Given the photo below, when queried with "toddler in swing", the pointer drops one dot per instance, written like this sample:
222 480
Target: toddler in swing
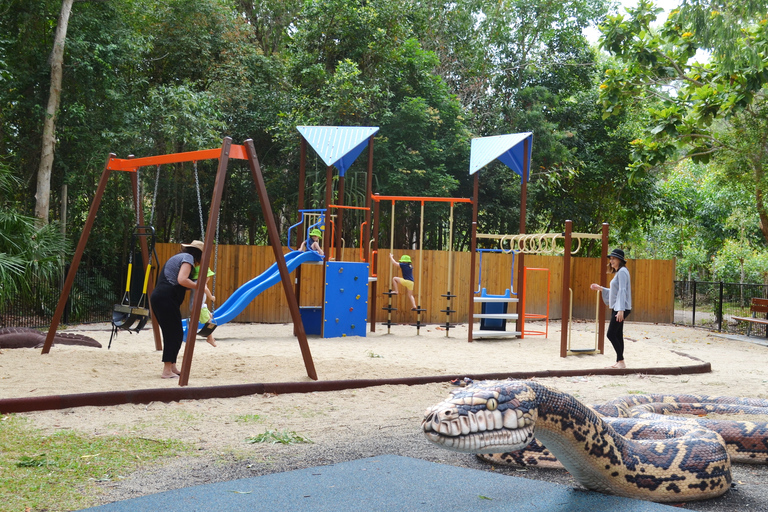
205 313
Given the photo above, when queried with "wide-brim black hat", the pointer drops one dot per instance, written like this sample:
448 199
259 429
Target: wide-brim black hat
617 253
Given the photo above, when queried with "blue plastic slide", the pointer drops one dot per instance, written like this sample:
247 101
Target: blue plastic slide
239 300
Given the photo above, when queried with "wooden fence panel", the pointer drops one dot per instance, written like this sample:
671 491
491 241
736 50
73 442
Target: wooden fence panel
652 284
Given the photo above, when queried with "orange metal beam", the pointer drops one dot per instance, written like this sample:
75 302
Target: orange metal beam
131 164
377 197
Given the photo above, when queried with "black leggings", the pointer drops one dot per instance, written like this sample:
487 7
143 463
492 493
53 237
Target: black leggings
166 311
616 334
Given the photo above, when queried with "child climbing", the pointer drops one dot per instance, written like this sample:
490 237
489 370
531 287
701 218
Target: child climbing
407 280
314 244
205 314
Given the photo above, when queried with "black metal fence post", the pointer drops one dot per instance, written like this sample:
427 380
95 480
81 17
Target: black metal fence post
68 307
693 305
720 309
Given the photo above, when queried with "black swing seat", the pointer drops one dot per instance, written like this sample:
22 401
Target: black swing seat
125 316
207 329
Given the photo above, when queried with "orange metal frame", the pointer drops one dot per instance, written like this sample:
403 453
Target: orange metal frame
132 164
333 229
525 315
377 197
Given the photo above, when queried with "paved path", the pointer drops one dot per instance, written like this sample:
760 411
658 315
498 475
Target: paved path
383 483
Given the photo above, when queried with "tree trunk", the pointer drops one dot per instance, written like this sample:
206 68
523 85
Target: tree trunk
760 202
42 196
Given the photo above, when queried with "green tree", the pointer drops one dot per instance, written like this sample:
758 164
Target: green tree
29 253
711 110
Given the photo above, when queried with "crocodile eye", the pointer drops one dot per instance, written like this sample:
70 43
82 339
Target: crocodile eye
491 404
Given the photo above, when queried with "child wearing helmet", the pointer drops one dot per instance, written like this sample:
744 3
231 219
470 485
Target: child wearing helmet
314 245
406 267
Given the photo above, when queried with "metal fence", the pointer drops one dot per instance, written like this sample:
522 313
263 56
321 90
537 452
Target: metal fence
712 305
90 301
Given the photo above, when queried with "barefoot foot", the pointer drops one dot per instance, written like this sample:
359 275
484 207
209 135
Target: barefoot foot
169 376
211 342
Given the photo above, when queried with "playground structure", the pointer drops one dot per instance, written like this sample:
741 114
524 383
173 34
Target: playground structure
514 150
247 152
338 147
348 285
448 295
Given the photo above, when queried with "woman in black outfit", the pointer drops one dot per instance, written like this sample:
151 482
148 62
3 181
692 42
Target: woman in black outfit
166 300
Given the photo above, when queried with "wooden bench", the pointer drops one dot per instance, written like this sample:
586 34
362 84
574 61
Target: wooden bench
755 307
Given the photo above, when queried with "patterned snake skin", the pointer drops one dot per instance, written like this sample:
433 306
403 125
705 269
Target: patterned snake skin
626 447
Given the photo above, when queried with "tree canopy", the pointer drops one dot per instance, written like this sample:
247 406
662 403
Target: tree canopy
144 77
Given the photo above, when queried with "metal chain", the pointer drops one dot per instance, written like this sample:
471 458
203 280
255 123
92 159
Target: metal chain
154 197
215 258
138 197
137 202
199 202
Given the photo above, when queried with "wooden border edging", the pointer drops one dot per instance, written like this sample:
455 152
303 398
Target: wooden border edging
145 396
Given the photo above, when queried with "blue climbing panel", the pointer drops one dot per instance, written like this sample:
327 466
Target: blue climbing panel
346 299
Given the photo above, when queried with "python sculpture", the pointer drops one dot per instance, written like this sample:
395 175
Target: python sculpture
627 447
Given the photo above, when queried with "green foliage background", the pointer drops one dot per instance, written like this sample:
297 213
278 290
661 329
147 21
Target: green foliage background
145 77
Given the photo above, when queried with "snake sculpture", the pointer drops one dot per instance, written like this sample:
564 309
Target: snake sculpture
627 447
24 337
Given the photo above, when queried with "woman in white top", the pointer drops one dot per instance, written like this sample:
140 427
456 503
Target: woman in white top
619 298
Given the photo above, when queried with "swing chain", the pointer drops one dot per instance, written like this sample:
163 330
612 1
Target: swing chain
137 211
154 197
199 202
215 260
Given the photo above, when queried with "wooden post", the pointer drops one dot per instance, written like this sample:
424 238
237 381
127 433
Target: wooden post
473 257
566 305
145 255
603 282
367 232
523 215
302 230
210 238
327 223
277 247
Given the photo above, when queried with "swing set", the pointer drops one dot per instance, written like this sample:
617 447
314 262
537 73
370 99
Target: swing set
127 312
247 151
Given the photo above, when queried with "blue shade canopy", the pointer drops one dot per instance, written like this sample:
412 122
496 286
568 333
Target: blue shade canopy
506 148
338 145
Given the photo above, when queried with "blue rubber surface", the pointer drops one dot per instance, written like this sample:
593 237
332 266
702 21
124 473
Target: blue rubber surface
384 483
244 295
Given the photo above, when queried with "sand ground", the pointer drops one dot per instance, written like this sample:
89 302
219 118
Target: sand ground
388 417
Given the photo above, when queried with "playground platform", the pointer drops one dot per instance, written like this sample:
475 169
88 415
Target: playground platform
383 483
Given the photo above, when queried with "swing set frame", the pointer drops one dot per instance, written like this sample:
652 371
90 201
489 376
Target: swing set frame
247 151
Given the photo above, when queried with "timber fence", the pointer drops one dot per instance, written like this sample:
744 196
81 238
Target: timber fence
653 287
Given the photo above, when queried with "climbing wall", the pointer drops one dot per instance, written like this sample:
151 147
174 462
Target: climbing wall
346 299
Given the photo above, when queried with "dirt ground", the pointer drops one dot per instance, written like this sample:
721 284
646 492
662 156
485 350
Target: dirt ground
346 425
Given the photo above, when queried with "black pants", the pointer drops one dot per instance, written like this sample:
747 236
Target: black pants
165 309
616 334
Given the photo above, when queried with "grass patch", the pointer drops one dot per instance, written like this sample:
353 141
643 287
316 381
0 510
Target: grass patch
61 471
282 437
248 418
